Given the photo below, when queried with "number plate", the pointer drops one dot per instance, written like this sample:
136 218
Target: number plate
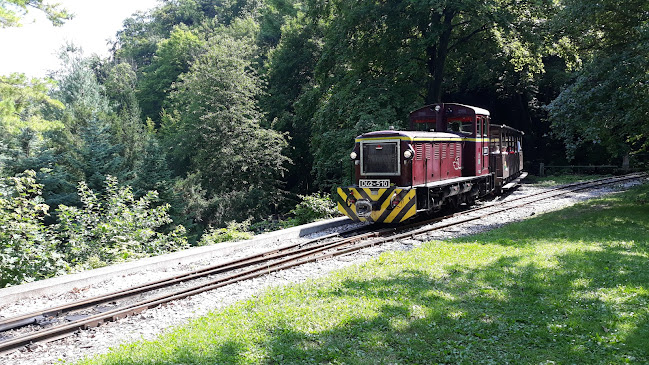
374 183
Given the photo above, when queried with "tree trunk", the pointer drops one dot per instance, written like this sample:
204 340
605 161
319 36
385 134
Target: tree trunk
436 59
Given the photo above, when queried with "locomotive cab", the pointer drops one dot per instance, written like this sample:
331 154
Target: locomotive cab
381 191
469 122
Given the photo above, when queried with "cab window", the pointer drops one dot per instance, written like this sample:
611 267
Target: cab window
462 127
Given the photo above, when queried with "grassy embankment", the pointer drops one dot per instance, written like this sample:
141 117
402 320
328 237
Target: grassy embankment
569 287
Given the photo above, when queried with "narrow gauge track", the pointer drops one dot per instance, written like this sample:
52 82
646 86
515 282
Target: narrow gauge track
258 265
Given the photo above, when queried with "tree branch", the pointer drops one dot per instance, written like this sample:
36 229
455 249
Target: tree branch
468 36
461 23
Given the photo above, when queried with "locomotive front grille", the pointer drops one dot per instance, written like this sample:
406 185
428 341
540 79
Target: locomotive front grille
380 158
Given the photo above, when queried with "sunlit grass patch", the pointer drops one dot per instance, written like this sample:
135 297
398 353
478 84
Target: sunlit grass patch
566 287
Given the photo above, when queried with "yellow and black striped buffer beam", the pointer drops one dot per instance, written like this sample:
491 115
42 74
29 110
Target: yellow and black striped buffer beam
381 201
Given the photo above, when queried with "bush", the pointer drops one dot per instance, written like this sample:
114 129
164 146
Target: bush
272 223
115 227
233 232
107 229
28 250
313 207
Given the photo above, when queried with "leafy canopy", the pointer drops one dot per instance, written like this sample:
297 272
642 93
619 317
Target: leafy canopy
605 104
11 12
215 135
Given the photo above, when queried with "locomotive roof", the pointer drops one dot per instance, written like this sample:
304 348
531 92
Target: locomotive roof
410 136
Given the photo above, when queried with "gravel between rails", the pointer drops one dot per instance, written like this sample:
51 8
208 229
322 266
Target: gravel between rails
153 322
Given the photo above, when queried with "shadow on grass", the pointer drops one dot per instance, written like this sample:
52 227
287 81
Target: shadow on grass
505 312
590 308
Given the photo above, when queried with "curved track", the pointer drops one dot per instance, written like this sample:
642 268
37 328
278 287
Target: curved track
62 321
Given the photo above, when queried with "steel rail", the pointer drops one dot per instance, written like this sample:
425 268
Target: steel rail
577 187
563 187
292 255
296 258
33 317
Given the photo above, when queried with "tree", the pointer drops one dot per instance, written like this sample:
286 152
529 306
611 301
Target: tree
126 117
214 134
78 89
26 123
412 41
88 148
99 155
172 58
22 102
138 40
11 11
605 103
290 77
380 60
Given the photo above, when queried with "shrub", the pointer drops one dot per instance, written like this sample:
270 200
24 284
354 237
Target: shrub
233 232
313 207
268 225
28 250
107 229
115 227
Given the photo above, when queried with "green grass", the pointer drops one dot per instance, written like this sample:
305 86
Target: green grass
569 287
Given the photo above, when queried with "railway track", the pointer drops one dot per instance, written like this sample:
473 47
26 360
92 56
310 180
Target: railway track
62 321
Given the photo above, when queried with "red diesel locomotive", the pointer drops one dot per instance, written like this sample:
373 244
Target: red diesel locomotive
450 155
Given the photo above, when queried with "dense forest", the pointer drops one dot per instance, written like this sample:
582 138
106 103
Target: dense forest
217 111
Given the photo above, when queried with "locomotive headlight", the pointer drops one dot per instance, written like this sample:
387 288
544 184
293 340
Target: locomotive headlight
407 154
353 155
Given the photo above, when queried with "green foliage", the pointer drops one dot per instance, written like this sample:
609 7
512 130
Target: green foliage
110 228
28 250
214 134
290 97
96 141
605 102
22 101
115 227
373 62
98 156
233 232
172 58
11 11
34 138
121 81
272 16
269 224
249 98
312 208
79 90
